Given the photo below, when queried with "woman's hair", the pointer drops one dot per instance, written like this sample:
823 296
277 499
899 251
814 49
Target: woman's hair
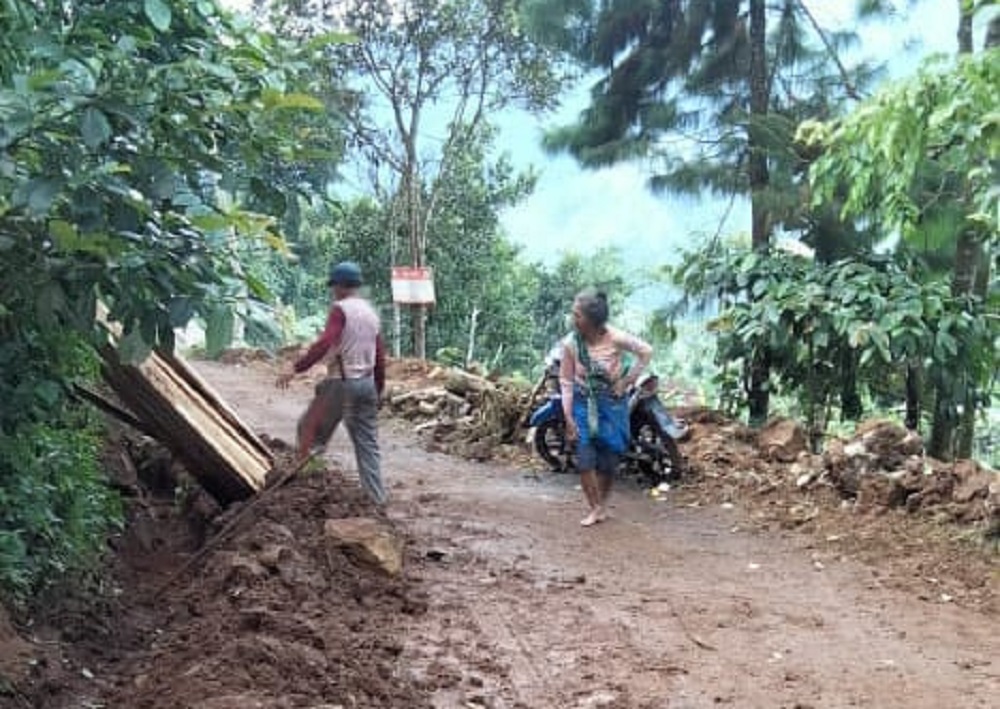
594 306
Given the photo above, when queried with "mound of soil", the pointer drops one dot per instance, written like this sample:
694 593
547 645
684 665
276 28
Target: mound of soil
277 616
929 526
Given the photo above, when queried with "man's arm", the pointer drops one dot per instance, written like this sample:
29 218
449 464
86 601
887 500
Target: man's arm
335 322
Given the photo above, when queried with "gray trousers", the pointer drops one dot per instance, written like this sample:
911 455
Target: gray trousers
354 401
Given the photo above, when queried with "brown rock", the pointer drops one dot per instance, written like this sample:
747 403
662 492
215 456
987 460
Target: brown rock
914 465
782 440
368 541
273 556
935 490
889 443
973 482
878 490
870 425
912 444
992 512
834 456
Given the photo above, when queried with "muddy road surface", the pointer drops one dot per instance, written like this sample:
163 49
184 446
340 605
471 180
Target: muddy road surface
661 606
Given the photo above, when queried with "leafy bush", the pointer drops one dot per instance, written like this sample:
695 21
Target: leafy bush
55 505
836 334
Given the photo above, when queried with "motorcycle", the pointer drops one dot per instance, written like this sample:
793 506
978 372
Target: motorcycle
652 453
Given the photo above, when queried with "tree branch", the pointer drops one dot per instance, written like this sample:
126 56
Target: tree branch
849 87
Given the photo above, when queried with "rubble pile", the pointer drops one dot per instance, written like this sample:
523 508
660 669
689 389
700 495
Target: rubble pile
461 413
883 466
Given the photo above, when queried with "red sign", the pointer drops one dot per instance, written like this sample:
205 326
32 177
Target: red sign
412 285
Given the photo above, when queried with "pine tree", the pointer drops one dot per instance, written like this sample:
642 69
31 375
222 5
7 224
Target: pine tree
711 91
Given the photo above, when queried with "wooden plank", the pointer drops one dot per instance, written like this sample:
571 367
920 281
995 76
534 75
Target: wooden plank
196 381
237 432
180 409
177 433
224 439
215 450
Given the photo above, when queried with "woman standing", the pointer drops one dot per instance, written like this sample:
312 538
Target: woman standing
594 379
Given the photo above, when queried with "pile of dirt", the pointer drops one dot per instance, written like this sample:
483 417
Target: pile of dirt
464 414
278 615
409 373
932 526
881 467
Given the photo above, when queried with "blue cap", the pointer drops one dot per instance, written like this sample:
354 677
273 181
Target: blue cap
345 273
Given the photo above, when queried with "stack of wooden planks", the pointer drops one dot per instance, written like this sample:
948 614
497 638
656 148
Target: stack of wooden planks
181 410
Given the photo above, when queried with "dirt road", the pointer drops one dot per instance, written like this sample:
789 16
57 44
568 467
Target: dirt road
527 609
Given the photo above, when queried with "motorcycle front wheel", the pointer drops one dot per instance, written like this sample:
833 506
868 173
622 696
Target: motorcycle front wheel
551 445
657 457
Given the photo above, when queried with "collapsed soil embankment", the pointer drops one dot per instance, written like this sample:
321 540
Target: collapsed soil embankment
278 615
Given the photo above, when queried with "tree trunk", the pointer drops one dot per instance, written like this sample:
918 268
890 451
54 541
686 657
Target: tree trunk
942 429
969 271
912 397
993 33
965 435
419 329
850 401
964 28
758 394
949 435
415 225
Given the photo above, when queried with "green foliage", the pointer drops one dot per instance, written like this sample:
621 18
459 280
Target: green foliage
55 505
118 121
441 68
114 126
919 160
944 120
475 268
674 88
557 287
835 330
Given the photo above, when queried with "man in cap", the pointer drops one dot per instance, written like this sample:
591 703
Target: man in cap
352 344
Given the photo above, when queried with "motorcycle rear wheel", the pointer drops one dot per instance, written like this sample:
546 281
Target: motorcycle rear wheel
551 445
657 458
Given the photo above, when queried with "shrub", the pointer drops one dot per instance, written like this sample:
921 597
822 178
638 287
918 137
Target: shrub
55 505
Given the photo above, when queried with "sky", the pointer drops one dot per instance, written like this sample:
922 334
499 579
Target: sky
573 209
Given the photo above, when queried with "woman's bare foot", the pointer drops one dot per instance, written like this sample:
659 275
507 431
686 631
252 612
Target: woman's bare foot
603 514
593 518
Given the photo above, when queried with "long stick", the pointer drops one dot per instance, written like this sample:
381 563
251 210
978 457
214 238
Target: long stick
214 542
126 417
